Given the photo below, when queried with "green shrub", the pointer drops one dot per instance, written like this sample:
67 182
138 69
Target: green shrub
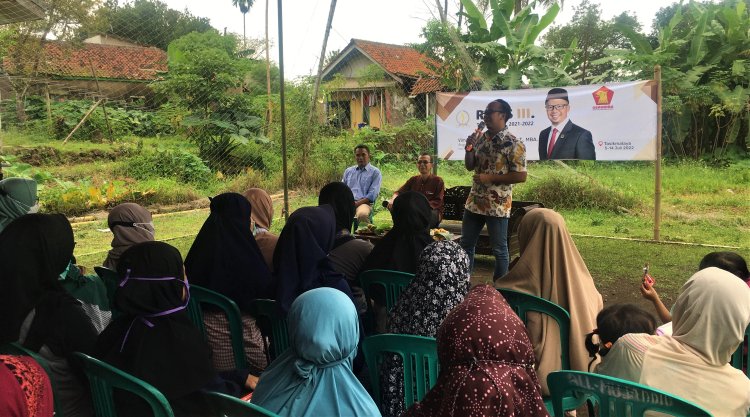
561 191
177 164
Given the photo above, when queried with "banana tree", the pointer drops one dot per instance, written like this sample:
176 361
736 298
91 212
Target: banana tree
506 48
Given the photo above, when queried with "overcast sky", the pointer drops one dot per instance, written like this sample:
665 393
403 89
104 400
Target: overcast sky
389 21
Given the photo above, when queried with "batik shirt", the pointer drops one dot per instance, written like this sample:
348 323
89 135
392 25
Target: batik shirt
501 154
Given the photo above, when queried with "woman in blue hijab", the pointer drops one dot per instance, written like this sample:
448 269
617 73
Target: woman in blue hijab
314 377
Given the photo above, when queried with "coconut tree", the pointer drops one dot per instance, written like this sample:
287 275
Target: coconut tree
244 6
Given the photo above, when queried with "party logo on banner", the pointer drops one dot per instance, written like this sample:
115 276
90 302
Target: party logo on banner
603 98
462 118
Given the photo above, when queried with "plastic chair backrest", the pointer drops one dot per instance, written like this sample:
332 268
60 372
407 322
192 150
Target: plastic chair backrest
618 397
103 377
419 355
200 295
523 303
230 406
267 312
394 283
740 356
18 349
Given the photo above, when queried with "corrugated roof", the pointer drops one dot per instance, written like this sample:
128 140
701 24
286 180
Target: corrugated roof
109 61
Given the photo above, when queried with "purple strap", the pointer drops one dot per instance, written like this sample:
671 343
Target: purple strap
143 318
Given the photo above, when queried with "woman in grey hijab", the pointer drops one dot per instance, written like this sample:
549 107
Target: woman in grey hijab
17 197
130 224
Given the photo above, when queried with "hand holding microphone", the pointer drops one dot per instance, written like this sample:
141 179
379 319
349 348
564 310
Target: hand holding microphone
474 137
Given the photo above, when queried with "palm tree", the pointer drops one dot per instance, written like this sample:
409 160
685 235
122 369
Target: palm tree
244 6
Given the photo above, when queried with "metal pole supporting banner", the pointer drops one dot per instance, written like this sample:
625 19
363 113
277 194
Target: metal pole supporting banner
283 111
657 165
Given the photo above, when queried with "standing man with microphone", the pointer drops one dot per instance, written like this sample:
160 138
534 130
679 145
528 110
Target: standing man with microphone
498 160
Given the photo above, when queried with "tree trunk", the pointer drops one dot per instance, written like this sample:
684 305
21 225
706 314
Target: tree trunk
269 114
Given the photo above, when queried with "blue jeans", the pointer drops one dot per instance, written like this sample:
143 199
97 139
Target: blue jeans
497 228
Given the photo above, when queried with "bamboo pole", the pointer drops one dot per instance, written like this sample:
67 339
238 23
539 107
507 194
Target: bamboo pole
104 107
283 110
83 119
657 165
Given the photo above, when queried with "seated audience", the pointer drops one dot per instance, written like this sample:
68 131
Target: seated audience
400 248
260 222
728 261
428 184
348 254
130 224
612 323
301 260
314 377
154 339
26 389
486 363
709 320
551 267
364 181
225 258
37 311
441 282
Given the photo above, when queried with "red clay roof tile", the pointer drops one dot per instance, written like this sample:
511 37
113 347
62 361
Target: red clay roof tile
109 61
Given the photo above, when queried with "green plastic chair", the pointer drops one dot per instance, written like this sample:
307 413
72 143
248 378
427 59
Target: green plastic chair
199 296
523 303
104 377
272 323
18 350
419 355
617 397
740 358
394 282
229 406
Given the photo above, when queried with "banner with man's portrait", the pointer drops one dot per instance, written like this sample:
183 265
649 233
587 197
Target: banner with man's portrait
605 122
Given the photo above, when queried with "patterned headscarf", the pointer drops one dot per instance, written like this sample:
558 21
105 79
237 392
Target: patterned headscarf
486 363
441 282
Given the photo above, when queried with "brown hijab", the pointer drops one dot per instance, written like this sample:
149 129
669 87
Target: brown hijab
486 363
551 267
262 215
130 224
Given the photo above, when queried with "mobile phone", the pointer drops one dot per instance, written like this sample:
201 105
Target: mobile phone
646 276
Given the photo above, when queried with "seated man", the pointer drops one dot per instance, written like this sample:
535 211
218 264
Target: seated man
364 181
428 184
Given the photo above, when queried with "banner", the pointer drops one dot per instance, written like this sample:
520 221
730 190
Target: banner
607 122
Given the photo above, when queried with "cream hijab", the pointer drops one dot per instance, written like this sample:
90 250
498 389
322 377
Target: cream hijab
709 320
551 267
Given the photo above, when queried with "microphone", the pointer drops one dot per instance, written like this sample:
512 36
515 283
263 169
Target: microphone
477 133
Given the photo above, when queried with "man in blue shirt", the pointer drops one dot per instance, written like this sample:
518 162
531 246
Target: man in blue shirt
364 181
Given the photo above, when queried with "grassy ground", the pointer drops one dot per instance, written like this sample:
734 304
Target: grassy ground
700 206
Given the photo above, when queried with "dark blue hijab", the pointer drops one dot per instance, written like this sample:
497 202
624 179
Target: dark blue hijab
301 257
225 257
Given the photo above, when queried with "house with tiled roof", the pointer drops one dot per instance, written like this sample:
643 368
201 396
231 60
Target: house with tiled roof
101 66
372 83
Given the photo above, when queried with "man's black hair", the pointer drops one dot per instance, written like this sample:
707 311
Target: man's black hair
557 93
728 261
505 108
362 146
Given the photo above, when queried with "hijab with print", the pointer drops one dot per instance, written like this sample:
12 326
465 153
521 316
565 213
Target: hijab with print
17 197
551 267
300 261
401 246
262 214
709 319
486 363
130 224
314 377
441 282
224 256
34 250
167 351
339 196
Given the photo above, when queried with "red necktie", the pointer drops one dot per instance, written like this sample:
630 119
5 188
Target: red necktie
551 143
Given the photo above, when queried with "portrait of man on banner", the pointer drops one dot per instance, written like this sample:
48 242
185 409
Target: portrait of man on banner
563 139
